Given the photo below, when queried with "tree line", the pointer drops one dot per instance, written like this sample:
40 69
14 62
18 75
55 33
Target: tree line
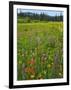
28 17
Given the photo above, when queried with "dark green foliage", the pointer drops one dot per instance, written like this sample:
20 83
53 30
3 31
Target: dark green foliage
38 17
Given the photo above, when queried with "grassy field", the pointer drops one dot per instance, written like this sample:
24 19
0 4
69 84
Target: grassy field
39 50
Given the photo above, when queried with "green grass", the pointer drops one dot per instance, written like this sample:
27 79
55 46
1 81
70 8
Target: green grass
39 50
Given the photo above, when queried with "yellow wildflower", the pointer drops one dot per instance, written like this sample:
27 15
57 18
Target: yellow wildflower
44 72
32 76
60 74
49 65
20 62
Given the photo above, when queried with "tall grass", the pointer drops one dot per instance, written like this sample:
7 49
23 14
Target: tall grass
39 50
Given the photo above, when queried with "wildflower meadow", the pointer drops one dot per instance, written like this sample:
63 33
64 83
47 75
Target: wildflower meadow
39 48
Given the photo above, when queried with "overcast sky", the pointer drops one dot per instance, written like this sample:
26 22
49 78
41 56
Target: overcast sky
49 12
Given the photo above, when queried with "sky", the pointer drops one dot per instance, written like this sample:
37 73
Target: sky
49 12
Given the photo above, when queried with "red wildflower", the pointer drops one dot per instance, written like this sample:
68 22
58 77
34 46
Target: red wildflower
30 70
32 61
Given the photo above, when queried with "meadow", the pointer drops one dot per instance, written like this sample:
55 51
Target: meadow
39 50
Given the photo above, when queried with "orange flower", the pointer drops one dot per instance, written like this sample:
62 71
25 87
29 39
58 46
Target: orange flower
32 61
30 70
